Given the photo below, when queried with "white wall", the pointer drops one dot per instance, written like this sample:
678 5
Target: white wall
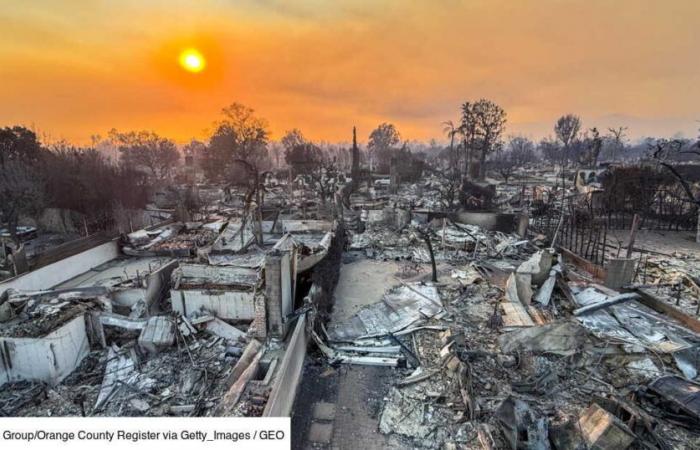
49 359
284 389
61 271
227 305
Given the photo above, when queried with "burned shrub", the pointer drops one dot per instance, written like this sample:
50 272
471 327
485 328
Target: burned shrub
475 196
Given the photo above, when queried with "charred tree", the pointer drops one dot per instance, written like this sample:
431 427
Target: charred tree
425 234
355 171
664 152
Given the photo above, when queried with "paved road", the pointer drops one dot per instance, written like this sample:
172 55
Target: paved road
339 408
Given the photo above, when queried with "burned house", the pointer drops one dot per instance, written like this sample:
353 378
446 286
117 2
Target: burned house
58 320
126 307
46 336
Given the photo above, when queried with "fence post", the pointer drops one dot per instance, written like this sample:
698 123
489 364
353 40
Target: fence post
633 235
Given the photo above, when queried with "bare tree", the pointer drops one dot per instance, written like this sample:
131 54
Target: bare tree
618 137
505 164
522 150
467 129
593 144
448 188
193 152
194 148
566 130
549 149
324 176
664 151
308 159
255 190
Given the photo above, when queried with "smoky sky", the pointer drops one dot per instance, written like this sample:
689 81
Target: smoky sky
325 66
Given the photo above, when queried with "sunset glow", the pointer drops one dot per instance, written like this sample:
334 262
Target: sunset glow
192 61
325 67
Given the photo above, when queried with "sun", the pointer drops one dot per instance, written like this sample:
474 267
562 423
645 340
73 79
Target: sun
192 60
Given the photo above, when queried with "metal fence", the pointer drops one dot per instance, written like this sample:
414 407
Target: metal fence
658 210
576 225
587 218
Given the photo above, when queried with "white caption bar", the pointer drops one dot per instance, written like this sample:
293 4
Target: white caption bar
191 433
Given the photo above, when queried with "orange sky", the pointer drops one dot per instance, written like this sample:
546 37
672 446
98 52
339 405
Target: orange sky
72 69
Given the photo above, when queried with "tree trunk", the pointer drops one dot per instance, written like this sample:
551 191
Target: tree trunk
467 161
482 165
563 164
432 257
258 200
12 228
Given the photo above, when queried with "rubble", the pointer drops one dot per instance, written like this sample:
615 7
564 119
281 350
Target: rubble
560 338
521 427
490 335
157 334
190 295
515 346
177 239
401 308
682 395
602 430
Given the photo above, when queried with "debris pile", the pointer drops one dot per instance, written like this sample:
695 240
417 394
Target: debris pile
177 239
178 322
516 347
137 378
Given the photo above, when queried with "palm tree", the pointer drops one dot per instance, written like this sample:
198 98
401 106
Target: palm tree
451 131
